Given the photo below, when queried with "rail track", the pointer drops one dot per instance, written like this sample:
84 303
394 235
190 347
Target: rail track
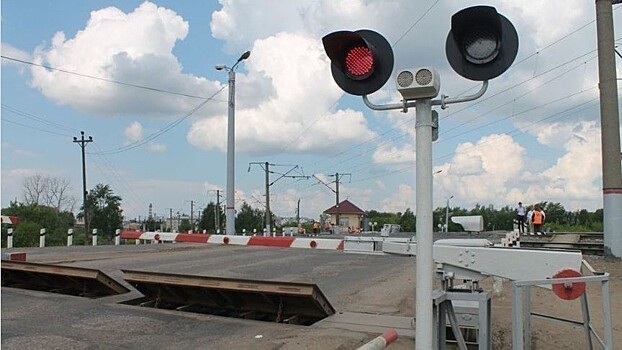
589 243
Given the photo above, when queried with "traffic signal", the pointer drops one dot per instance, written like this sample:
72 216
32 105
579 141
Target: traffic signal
361 61
482 44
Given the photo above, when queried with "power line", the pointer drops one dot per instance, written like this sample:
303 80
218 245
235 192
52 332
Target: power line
415 23
37 119
480 101
470 106
514 131
162 131
33 127
103 79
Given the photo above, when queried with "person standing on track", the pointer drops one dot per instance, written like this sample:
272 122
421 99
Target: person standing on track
520 217
537 217
529 221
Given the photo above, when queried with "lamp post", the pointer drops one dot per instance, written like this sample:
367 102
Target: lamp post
447 215
231 144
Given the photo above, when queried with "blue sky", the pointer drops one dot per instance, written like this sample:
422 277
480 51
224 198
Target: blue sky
533 137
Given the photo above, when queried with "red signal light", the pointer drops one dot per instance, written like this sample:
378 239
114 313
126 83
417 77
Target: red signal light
359 62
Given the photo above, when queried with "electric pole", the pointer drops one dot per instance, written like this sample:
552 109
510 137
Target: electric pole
83 142
170 219
266 167
336 191
216 211
191 213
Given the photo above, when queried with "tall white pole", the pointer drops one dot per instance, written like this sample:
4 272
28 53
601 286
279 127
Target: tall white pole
231 156
424 314
610 130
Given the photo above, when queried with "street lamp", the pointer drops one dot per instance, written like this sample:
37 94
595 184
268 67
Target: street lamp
231 144
447 215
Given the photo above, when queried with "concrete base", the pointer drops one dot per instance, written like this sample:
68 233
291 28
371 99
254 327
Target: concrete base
369 323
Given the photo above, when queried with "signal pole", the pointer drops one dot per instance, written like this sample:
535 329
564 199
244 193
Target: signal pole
481 45
82 142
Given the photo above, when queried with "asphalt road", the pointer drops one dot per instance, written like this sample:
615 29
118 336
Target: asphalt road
351 282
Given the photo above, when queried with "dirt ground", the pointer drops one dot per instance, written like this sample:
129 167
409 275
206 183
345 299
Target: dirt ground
546 334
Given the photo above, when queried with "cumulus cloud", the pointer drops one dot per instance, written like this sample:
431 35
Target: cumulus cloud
482 171
105 49
298 116
576 176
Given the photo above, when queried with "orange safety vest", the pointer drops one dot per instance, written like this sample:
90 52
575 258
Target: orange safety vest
537 217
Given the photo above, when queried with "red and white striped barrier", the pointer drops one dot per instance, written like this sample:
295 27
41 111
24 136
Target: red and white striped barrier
381 342
284 242
11 220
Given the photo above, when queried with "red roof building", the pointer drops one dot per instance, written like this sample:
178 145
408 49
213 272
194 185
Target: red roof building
350 216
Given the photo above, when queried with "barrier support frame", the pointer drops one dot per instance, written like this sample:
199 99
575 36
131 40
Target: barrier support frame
521 325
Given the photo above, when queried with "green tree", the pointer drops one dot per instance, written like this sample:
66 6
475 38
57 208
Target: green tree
208 216
33 218
184 225
249 219
407 221
382 218
105 213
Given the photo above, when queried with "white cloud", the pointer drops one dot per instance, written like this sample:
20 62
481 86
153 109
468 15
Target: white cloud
135 48
576 176
297 116
389 154
133 132
10 51
483 172
400 200
156 147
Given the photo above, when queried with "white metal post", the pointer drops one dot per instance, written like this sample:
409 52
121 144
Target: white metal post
42 238
9 238
231 156
94 237
425 263
69 237
117 237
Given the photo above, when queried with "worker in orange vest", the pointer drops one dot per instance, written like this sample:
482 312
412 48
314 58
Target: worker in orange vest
537 217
